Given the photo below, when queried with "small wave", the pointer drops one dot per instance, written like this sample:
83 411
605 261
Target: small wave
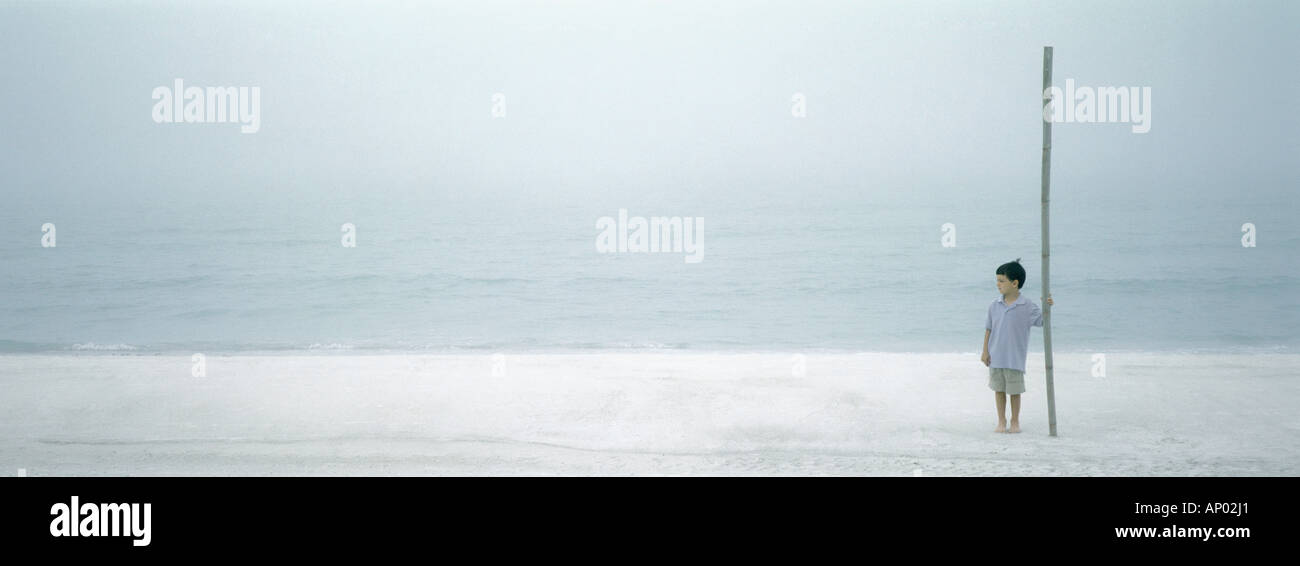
201 313
636 346
93 347
331 346
492 280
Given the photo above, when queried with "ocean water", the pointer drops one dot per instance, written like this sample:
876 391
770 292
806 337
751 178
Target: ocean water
434 273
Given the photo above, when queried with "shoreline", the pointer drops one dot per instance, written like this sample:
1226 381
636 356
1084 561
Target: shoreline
355 351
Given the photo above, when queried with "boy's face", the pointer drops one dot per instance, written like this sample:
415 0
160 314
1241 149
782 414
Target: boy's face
1005 285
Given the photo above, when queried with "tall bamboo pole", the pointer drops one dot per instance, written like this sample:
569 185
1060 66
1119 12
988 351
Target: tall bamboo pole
1047 309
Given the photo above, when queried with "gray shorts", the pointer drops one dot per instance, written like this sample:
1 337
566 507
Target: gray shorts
1010 381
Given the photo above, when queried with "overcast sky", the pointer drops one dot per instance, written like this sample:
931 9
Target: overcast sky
624 97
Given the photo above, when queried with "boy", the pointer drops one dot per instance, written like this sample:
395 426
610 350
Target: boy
1007 329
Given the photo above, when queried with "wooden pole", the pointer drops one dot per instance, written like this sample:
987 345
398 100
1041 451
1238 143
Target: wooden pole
1047 309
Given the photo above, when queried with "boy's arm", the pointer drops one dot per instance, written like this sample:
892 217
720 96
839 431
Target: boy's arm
984 357
988 329
1038 312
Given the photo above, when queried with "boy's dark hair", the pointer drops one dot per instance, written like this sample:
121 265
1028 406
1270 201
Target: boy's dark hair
1014 272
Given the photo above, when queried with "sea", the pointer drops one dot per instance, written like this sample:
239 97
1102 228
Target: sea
779 271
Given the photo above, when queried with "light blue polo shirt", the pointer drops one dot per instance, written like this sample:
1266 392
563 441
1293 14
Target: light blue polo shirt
1009 336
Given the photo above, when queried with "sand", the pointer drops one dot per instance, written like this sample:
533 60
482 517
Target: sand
642 413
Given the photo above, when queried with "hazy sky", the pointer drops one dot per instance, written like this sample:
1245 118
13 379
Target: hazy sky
617 100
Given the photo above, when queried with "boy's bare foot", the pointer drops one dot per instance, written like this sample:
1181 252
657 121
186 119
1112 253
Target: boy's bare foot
1015 427
1002 427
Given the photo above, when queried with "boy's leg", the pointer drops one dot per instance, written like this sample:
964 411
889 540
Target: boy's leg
1000 397
1015 413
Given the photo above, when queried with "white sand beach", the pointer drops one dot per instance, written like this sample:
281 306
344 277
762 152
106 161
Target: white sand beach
647 413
